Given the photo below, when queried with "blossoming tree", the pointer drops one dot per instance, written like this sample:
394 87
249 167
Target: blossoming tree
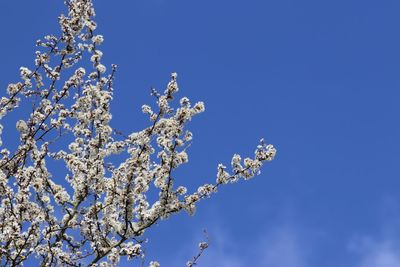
101 210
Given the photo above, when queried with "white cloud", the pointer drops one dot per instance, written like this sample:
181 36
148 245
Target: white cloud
383 248
221 260
290 245
377 253
282 248
279 247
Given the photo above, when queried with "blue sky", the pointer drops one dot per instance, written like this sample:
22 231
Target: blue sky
318 79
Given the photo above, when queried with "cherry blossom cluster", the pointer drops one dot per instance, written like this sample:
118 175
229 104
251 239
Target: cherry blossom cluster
98 210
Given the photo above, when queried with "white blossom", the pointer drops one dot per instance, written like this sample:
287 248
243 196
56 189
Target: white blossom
98 207
198 107
97 39
21 126
101 68
154 264
147 109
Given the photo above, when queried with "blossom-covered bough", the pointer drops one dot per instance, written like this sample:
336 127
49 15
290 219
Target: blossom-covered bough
100 210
